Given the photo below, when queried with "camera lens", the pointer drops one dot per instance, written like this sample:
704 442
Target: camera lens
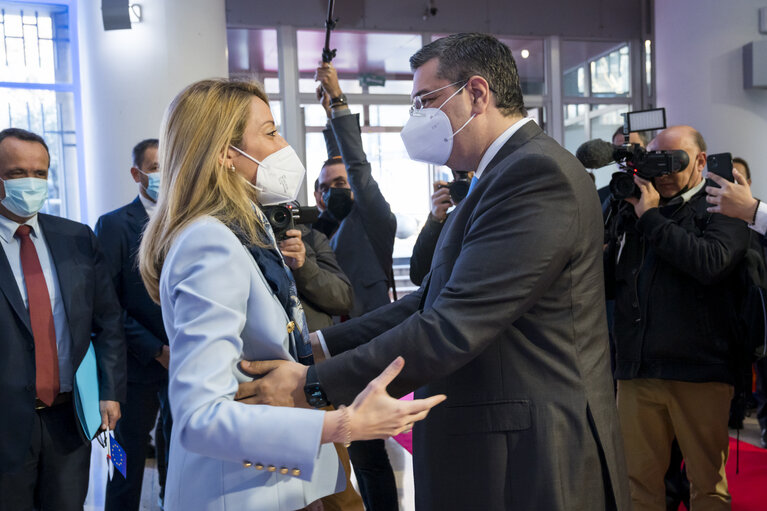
622 186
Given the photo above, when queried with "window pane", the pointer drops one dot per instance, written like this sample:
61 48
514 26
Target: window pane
575 82
310 86
314 115
575 126
606 119
389 115
648 66
34 43
393 87
610 73
51 115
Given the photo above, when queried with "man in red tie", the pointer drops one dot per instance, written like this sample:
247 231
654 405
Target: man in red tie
56 297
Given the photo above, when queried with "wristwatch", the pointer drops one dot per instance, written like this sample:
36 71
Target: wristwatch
315 396
338 101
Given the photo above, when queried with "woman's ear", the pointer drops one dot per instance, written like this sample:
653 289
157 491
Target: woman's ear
227 156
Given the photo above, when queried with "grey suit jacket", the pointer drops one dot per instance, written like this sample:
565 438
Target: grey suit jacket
510 324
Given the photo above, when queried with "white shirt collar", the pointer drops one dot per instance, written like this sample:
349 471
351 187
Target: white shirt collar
681 199
497 144
149 205
8 227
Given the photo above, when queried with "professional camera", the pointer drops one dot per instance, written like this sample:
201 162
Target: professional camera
284 217
632 158
459 187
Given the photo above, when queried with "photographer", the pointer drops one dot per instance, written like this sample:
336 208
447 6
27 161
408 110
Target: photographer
423 250
667 269
361 228
323 288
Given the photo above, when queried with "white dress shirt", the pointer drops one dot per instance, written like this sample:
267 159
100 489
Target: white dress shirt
149 205
497 144
12 248
760 221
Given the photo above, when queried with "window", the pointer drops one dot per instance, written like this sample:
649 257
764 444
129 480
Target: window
597 89
37 92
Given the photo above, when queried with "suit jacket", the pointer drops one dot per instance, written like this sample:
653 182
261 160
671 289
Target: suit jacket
364 241
218 309
510 325
324 289
119 233
93 313
423 250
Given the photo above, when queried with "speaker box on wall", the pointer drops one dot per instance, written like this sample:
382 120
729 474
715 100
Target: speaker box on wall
115 14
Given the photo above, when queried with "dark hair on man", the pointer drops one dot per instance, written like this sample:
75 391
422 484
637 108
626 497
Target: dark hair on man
462 56
740 160
644 136
140 149
26 136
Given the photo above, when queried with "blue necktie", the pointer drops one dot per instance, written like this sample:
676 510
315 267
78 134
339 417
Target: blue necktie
473 183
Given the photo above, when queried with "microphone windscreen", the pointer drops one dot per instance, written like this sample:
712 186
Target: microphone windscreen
595 153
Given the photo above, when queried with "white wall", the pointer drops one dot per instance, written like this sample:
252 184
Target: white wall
699 70
129 77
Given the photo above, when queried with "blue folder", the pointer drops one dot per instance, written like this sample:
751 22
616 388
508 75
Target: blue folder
87 394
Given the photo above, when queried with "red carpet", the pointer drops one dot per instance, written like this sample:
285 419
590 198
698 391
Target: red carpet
748 488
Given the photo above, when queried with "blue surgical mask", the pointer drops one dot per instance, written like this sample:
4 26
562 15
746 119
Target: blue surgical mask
153 186
25 196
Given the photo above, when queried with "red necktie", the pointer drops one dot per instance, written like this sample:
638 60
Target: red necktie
41 318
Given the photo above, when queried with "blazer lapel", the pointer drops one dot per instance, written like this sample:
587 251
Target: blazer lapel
11 291
61 253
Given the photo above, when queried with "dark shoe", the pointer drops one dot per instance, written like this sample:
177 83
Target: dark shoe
763 439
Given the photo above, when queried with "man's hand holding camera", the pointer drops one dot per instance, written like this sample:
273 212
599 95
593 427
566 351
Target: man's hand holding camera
293 249
440 201
648 199
329 87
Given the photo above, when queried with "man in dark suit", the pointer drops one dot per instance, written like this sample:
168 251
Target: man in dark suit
510 322
55 299
148 354
361 227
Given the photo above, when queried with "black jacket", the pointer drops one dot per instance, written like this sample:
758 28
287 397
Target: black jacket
423 250
675 291
323 287
364 240
93 316
119 233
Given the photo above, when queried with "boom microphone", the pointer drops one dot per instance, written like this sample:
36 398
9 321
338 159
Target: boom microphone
595 153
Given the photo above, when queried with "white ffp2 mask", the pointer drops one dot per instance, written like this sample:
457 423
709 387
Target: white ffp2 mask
279 176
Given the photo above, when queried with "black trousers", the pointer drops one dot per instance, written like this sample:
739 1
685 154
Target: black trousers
374 474
54 475
132 432
761 391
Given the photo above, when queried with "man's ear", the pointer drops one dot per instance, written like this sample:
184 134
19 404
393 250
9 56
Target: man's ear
479 94
701 161
134 172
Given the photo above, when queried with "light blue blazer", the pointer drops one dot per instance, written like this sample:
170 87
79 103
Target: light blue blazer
225 455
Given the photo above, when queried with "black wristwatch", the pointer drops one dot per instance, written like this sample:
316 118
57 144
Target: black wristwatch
315 396
338 101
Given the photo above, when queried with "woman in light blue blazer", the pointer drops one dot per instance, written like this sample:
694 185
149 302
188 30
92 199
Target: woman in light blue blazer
209 258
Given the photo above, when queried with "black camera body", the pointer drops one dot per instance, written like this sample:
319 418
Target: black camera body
635 160
458 187
284 217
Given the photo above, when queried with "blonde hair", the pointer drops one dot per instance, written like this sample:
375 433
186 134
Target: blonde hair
198 127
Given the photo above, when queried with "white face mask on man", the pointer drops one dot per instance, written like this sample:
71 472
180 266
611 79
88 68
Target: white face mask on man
428 134
279 176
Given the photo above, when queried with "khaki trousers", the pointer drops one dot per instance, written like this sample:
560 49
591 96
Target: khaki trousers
652 412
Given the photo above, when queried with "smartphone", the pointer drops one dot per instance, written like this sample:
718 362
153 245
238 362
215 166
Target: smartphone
721 165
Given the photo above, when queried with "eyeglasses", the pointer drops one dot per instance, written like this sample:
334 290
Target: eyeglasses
417 106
